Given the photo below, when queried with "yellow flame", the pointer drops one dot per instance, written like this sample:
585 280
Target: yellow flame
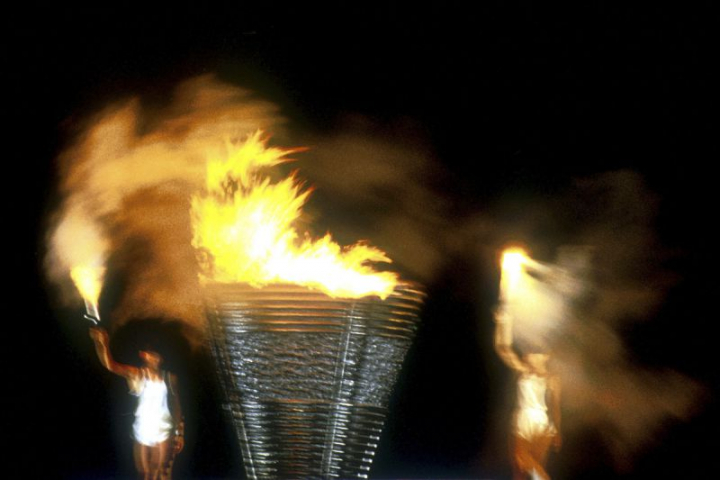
513 261
243 225
80 247
88 280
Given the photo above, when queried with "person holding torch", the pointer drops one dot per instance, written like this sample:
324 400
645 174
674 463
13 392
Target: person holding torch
536 420
158 427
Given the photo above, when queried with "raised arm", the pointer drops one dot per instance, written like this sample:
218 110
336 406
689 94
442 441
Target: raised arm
503 342
101 340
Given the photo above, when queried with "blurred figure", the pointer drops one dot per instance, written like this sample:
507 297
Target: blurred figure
158 427
535 425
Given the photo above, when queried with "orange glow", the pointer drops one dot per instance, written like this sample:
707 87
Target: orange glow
513 261
80 248
243 228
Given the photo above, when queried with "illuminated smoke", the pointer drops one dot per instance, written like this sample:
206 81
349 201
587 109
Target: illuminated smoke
616 280
127 180
133 169
81 251
379 177
126 184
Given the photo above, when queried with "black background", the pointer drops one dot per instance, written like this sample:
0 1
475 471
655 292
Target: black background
540 94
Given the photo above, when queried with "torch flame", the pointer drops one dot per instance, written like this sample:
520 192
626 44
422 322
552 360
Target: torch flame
513 261
243 226
81 248
88 280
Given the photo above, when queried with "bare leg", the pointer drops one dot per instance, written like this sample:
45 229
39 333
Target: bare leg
540 448
155 462
529 456
142 460
156 458
152 461
522 458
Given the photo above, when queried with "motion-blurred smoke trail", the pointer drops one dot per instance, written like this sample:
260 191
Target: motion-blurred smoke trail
126 184
383 177
615 280
132 170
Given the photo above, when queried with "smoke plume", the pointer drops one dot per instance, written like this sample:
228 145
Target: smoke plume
614 279
382 180
128 178
126 184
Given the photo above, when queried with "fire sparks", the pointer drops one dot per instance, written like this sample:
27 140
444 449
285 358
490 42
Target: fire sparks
244 230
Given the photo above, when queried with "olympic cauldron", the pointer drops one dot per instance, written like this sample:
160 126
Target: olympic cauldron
308 377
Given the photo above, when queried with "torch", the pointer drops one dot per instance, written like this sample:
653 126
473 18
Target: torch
308 338
81 249
528 297
88 281
536 297
512 266
516 265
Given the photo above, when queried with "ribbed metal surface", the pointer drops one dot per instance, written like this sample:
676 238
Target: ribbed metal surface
307 376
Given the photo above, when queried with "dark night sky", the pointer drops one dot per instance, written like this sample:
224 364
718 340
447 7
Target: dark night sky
516 100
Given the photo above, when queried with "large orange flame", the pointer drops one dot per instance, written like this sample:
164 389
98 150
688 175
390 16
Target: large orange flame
244 227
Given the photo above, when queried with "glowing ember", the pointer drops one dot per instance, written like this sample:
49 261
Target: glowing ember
244 226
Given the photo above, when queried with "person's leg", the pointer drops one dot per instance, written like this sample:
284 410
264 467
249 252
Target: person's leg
521 457
537 454
541 447
158 459
142 460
